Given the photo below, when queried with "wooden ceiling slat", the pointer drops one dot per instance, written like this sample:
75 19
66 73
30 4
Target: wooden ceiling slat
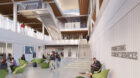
48 0
55 9
83 7
3 1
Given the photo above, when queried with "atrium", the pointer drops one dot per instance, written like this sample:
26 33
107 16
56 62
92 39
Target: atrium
69 38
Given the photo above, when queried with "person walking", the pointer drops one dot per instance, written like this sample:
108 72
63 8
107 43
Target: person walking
52 60
58 59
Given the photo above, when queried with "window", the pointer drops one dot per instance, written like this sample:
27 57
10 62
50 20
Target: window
2 47
9 48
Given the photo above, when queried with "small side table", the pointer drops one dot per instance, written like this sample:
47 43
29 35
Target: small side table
86 75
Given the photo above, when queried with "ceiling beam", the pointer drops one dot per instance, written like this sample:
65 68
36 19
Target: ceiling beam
50 2
6 3
32 23
71 16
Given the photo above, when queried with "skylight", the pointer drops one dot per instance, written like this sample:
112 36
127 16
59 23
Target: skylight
69 7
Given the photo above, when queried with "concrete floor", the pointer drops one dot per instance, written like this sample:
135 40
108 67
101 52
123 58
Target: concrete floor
60 72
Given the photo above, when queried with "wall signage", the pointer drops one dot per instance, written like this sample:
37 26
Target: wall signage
120 51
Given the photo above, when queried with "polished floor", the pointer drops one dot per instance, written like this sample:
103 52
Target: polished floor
61 72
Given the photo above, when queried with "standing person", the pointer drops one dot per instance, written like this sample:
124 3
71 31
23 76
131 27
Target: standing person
23 57
22 28
58 59
62 55
52 60
43 56
87 38
34 54
9 57
13 64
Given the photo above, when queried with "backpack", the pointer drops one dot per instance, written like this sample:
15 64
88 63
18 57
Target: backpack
34 64
59 59
52 57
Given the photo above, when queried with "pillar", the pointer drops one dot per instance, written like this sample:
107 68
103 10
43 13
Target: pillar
15 16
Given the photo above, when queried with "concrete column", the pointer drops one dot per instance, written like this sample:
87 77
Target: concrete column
92 22
97 7
43 31
6 50
91 26
15 16
91 7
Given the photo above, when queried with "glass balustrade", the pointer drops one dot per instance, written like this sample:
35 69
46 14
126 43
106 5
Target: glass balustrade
8 24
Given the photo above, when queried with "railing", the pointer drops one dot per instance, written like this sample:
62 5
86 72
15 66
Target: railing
64 42
7 24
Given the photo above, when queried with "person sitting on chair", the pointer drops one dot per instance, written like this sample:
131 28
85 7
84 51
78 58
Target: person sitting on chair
23 57
95 66
3 64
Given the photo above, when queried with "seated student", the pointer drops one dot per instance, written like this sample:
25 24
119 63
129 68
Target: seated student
23 57
3 64
13 64
95 66
43 56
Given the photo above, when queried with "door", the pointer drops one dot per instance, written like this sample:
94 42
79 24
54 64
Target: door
40 51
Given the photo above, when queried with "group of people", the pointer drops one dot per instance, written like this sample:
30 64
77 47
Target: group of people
9 63
54 58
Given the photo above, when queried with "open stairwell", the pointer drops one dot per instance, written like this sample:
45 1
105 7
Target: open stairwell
83 60
79 64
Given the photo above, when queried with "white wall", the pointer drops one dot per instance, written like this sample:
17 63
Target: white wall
74 50
19 42
119 24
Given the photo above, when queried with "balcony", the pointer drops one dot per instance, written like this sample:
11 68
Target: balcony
75 26
32 9
31 5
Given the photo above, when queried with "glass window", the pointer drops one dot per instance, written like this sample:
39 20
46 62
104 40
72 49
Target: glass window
9 48
2 47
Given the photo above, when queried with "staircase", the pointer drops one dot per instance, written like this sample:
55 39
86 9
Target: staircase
79 64
84 50
83 56
42 11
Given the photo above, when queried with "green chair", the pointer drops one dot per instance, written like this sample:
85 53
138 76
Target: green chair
80 77
45 65
99 69
38 61
102 74
22 62
20 69
14 68
3 73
